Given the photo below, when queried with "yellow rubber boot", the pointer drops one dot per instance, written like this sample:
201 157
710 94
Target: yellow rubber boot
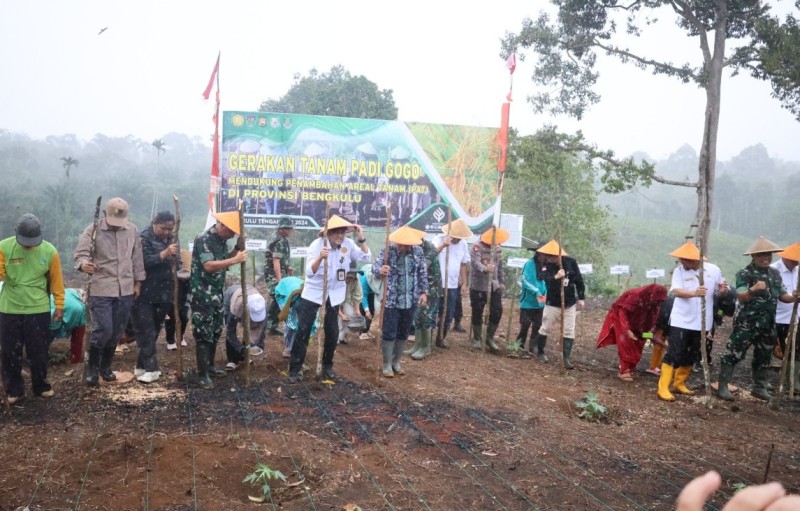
681 375
664 381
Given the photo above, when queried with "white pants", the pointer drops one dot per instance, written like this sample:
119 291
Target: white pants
552 318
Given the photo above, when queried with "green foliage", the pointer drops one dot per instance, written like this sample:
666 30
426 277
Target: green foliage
262 476
591 409
336 93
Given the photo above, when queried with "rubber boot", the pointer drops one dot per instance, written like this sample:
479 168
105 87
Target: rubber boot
441 340
566 350
92 367
458 328
679 385
796 376
396 356
327 372
760 380
541 342
725 373
477 337
214 371
491 328
202 350
664 381
417 343
425 344
106 356
387 348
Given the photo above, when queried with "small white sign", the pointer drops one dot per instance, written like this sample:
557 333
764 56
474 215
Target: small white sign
516 262
655 273
586 268
299 252
191 247
257 245
621 269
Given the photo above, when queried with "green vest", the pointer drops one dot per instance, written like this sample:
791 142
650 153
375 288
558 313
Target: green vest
25 286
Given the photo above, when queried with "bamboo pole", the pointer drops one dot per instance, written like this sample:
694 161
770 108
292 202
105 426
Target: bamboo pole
176 284
321 331
492 257
513 299
791 352
703 329
563 289
385 283
446 274
245 310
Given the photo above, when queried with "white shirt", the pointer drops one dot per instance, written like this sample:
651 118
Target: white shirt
459 254
783 315
338 264
686 311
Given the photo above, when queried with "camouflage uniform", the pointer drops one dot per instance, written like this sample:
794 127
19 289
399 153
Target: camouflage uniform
207 288
277 248
755 321
427 317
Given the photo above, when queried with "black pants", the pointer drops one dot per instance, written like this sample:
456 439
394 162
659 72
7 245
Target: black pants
147 319
272 313
234 349
170 324
529 318
371 303
684 347
479 299
31 331
306 315
783 336
459 310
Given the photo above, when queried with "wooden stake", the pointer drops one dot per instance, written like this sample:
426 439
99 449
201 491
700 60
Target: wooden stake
321 331
563 288
385 283
176 285
446 273
245 310
788 358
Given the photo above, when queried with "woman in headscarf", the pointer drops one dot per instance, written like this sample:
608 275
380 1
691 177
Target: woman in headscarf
633 314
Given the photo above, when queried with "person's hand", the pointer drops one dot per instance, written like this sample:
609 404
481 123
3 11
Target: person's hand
240 257
447 240
171 250
360 232
385 269
700 291
239 243
290 271
88 268
490 268
137 289
58 315
581 305
368 315
423 300
464 291
762 497
723 287
560 274
323 254
758 287
631 335
501 287
344 316
541 298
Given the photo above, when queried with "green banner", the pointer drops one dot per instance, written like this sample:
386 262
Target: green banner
293 165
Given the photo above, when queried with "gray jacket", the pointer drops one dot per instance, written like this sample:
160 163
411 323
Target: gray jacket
481 279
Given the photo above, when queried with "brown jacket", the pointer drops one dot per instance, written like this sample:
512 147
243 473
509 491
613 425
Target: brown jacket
118 256
480 279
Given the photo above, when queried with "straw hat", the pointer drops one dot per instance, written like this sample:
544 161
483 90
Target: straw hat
229 219
337 222
419 233
501 236
761 246
551 248
406 236
457 229
687 251
792 252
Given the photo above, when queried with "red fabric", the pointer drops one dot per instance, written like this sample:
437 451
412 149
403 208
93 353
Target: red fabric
636 310
511 63
207 92
76 344
502 137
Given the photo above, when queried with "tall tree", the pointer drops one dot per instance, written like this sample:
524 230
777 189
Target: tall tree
336 93
567 47
68 162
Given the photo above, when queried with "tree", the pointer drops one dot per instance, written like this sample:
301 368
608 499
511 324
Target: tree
567 48
335 93
68 162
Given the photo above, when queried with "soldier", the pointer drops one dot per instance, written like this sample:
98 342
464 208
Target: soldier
759 287
116 270
486 284
276 266
210 262
425 318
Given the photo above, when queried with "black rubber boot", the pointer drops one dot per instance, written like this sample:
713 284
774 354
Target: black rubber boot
566 349
214 371
327 372
106 356
458 328
541 342
725 373
441 340
202 350
477 337
760 382
92 367
491 328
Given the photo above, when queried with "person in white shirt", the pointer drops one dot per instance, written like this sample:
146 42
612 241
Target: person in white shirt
788 268
686 319
454 271
338 250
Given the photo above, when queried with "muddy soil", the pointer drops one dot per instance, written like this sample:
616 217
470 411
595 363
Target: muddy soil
461 430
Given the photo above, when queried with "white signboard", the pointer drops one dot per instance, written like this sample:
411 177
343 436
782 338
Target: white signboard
513 224
621 269
586 268
655 273
516 262
257 245
191 246
299 252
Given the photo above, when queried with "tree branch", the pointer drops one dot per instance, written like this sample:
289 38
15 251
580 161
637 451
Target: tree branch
686 13
665 68
663 181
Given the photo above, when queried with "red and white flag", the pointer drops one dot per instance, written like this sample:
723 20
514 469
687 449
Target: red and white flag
215 177
511 63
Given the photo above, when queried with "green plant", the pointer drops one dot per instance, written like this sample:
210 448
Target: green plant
591 408
737 487
262 475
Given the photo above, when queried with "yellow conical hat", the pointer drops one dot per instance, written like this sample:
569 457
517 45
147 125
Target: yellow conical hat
337 222
229 219
687 251
551 248
792 252
406 236
500 236
419 233
457 229
762 245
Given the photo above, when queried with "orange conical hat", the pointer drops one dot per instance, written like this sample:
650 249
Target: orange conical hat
419 233
457 229
792 252
337 222
501 236
551 248
687 251
229 219
406 236
762 245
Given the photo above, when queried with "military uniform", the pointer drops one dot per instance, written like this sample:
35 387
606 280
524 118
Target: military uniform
207 288
277 248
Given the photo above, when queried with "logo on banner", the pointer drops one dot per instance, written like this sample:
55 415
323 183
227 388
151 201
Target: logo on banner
438 215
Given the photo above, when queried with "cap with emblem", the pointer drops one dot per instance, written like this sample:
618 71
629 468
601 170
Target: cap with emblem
116 212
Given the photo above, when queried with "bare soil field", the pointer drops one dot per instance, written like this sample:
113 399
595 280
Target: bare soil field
462 430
